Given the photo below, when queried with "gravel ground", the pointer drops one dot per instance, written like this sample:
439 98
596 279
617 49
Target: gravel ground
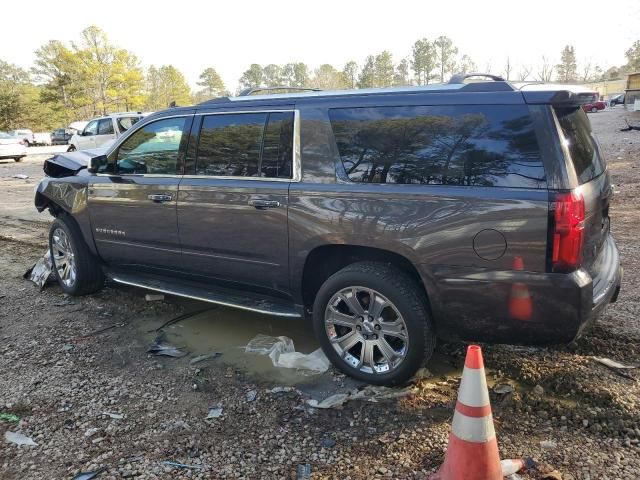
92 398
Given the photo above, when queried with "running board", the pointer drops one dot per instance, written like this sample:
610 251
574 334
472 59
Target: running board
220 296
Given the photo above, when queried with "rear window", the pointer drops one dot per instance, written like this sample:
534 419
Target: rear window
480 145
581 143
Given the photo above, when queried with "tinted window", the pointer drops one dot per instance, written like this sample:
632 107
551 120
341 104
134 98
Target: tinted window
152 149
581 143
229 145
439 145
277 151
105 127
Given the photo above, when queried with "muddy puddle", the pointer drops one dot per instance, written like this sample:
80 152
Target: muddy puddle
228 331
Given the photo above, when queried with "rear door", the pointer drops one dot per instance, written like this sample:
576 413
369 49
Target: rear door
132 201
593 178
232 209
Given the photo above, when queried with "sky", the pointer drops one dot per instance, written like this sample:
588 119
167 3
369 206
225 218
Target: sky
230 35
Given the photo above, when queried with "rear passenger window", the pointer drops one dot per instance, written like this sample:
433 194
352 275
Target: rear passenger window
230 144
105 127
581 144
277 151
491 146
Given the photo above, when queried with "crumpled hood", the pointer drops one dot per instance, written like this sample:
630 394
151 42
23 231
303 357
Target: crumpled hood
70 163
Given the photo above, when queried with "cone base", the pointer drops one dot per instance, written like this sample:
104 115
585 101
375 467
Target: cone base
470 461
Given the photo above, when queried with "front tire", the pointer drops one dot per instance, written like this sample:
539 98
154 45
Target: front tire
77 270
18 159
373 323
72 148
594 110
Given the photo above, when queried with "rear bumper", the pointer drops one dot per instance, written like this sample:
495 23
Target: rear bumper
521 307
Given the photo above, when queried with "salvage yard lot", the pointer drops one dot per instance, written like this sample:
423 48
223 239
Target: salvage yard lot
68 363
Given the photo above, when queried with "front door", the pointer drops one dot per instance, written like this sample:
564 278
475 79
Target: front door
87 140
132 202
106 132
232 212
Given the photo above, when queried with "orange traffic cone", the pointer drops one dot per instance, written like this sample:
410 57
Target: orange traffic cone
472 453
520 306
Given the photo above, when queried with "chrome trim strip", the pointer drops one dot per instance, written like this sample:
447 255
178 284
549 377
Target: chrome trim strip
296 161
204 299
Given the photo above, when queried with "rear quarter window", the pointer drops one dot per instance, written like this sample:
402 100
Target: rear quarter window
474 145
581 143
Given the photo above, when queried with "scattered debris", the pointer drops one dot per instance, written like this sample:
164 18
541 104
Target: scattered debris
20 176
537 391
114 416
182 465
90 432
102 330
154 297
251 395
89 475
179 318
330 402
303 472
9 417
327 443
283 354
18 438
281 389
42 272
548 444
503 389
215 412
629 127
613 364
160 347
206 356
370 393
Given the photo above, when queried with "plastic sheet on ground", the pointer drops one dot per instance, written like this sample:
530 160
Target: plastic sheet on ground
41 272
370 393
18 438
283 354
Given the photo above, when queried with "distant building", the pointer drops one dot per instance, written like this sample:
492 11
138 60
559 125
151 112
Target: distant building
632 91
607 88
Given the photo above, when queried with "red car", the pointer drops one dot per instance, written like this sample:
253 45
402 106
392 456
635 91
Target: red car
591 103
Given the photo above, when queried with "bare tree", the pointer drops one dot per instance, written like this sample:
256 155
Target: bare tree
524 73
487 67
508 68
586 69
545 73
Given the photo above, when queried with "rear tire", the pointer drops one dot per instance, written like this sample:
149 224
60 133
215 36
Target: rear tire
399 318
77 270
18 159
594 110
71 148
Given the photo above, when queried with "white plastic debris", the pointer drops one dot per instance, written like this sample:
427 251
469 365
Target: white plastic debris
21 176
329 402
370 393
42 271
283 354
154 297
503 388
548 444
114 416
18 438
215 412
613 364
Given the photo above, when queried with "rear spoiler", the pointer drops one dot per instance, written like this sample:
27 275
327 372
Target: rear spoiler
561 98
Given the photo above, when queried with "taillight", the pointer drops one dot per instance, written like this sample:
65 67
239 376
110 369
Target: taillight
568 231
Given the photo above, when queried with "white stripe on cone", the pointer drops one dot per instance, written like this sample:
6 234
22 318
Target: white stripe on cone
472 429
473 388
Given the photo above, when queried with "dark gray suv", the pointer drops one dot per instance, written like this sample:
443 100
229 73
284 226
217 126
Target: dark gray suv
386 217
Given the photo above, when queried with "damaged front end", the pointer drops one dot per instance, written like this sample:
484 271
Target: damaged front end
68 163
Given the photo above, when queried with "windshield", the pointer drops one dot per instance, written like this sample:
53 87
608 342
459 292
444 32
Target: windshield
581 143
5 135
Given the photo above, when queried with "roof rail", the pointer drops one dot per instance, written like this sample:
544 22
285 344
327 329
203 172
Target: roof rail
461 77
251 90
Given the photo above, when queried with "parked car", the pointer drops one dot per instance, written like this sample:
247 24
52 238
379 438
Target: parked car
12 146
384 217
43 138
616 100
594 107
103 129
61 136
25 134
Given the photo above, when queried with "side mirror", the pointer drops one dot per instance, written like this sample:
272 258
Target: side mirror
96 162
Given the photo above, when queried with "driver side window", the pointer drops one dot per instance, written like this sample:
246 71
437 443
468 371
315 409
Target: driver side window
152 149
91 129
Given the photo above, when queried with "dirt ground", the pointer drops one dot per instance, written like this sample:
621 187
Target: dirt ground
77 374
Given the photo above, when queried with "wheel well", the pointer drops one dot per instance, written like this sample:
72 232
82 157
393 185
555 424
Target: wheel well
324 261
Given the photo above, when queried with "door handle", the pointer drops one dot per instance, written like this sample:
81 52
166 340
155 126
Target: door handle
159 198
264 204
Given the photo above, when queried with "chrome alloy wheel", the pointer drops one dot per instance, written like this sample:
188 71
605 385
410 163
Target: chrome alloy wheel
63 258
366 330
